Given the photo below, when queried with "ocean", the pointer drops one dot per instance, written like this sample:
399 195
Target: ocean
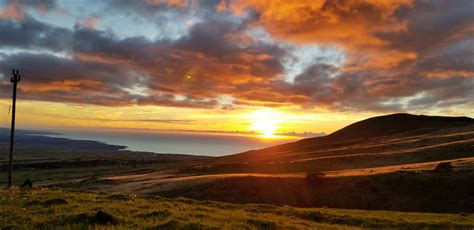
182 142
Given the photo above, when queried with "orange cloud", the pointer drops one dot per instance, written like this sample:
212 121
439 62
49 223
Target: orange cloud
12 12
172 3
351 25
385 59
67 85
100 58
348 22
388 53
89 23
222 6
444 74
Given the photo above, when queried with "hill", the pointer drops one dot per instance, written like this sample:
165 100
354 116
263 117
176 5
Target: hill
391 164
62 209
374 142
395 124
382 163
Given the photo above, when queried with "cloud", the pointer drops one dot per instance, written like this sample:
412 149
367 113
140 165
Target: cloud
348 23
214 65
88 23
12 12
147 8
100 68
397 55
162 121
172 3
32 34
16 9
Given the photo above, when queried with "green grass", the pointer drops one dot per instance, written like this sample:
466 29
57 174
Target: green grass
60 209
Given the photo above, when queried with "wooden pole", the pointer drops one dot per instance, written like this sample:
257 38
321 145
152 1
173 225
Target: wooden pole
15 79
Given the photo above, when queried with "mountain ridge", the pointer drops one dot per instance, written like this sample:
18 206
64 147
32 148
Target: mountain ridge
400 123
374 127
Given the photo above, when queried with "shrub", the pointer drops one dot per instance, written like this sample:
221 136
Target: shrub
170 224
262 224
155 214
100 218
314 177
118 197
57 201
444 166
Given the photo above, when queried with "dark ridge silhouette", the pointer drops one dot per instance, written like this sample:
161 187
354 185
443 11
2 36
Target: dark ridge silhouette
387 125
395 124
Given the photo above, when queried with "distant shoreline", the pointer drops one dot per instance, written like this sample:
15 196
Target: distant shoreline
174 142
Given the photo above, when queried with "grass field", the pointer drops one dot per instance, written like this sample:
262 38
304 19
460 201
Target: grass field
60 209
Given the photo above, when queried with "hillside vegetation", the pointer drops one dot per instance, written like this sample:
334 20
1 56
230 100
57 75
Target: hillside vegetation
45 159
380 141
382 163
60 209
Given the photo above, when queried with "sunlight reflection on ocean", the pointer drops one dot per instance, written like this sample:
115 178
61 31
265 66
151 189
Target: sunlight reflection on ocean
196 143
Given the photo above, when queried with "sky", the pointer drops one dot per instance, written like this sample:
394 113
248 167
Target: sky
255 65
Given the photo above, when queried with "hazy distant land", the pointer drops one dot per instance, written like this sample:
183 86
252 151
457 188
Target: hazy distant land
206 143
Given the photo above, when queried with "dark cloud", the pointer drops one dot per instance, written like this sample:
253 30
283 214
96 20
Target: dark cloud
431 24
455 56
150 8
102 69
214 64
15 10
52 78
163 121
400 56
44 4
32 34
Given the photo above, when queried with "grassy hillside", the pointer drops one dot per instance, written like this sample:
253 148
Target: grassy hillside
399 191
375 142
395 124
391 171
44 159
54 209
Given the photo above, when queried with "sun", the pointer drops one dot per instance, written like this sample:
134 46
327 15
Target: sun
266 127
264 122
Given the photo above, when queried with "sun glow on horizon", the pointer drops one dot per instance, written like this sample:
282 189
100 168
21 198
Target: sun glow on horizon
265 122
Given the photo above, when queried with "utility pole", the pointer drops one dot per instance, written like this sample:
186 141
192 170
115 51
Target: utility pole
15 79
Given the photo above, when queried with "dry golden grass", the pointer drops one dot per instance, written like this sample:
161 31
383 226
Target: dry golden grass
60 209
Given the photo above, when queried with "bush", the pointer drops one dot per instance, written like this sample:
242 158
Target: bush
170 224
314 177
100 218
57 201
444 166
155 214
262 224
